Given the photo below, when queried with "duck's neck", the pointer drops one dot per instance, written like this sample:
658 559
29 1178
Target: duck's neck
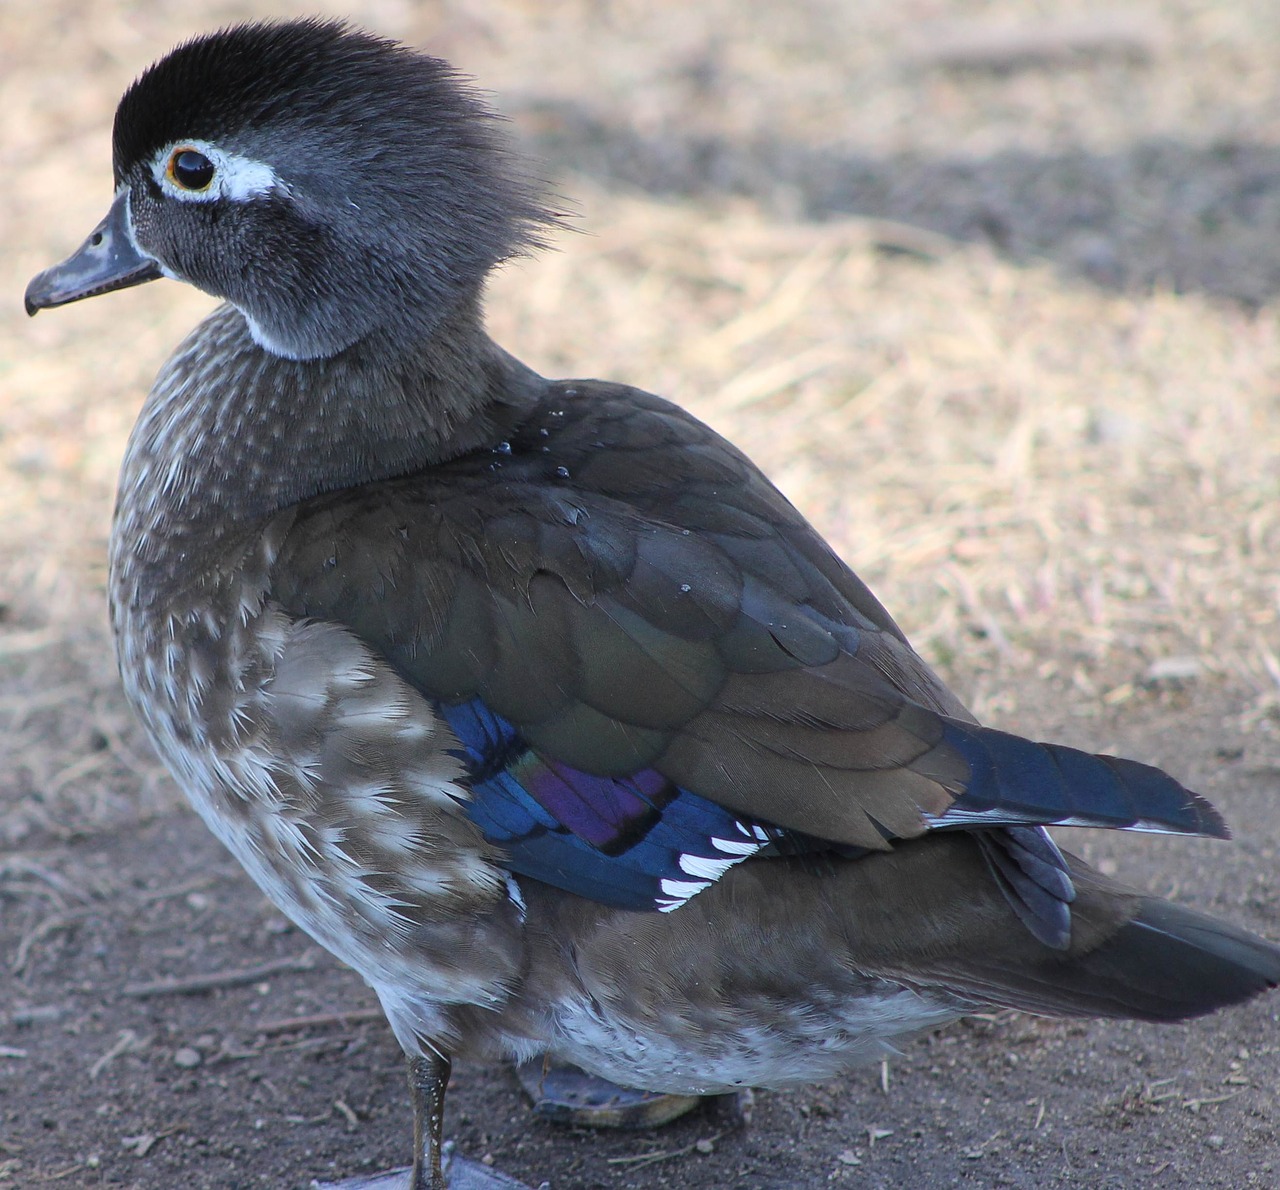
231 434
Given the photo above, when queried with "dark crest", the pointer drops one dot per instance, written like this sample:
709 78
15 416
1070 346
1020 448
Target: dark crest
310 77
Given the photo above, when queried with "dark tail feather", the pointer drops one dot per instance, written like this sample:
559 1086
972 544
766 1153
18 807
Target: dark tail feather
1170 962
1130 955
1015 781
1032 873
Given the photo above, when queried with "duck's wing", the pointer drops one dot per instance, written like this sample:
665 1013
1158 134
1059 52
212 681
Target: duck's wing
654 667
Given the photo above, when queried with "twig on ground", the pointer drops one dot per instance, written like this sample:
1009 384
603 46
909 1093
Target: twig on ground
50 925
319 1020
642 1159
55 880
126 1040
189 984
144 1142
150 896
1208 1100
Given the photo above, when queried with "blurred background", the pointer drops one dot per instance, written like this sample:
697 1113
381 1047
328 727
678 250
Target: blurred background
990 289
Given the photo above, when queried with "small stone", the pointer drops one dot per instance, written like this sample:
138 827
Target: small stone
1215 1141
704 1146
1173 671
187 1057
1111 426
39 1014
849 1157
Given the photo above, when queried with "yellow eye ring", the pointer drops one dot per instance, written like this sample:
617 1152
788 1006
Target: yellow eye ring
189 169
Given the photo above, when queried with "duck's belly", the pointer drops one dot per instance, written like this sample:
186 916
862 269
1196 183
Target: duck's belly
762 980
787 1045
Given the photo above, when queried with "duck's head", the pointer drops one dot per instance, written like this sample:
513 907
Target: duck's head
326 182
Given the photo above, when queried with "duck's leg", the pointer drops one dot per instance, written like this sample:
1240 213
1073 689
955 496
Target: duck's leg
432 1168
428 1080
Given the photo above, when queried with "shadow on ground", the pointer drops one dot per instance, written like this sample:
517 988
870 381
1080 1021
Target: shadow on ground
1159 214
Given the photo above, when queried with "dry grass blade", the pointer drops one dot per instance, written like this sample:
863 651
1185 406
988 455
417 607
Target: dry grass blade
36 935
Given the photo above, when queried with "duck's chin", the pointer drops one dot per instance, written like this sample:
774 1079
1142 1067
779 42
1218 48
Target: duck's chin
296 346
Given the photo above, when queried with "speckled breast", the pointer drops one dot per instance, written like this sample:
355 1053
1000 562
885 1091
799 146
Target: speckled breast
327 776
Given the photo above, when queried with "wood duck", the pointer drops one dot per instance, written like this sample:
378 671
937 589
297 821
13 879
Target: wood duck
534 701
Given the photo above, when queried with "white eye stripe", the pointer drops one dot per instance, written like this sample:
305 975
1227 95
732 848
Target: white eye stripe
235 177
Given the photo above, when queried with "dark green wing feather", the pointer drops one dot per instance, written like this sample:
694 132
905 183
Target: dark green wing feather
629 590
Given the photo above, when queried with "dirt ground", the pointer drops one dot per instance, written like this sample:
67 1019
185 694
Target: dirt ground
991 289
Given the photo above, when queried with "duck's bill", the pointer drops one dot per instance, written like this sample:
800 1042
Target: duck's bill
109 259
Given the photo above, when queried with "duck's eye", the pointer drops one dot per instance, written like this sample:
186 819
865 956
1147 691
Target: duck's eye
191 169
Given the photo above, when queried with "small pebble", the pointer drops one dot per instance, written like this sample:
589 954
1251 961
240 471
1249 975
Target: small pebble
1173 670
36 1015
704 1146
187 1057
1215 1141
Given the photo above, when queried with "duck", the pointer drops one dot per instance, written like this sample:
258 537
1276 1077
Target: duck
532 700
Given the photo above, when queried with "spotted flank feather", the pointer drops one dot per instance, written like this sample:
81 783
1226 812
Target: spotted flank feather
635 842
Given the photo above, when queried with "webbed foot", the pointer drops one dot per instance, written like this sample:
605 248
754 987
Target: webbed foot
459 1173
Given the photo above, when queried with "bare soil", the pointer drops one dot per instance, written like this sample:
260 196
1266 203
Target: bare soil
992 291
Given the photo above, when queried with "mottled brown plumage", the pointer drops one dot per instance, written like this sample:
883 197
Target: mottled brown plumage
535 701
